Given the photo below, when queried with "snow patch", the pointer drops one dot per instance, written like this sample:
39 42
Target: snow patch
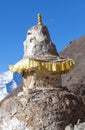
8 82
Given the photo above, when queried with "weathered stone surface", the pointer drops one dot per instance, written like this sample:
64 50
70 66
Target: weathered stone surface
38 42
40 81
78 89
80 126
69 127
41 109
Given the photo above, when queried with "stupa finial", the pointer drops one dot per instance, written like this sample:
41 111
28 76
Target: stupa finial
39 18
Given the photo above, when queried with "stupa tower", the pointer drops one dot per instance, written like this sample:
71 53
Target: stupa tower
41 63
43 104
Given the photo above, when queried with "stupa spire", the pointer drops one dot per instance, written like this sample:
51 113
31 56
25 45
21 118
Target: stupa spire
39 18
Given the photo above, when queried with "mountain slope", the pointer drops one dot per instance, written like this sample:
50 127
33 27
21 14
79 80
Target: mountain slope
8 82
76 51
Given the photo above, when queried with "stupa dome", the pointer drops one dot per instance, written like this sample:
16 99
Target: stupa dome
38 41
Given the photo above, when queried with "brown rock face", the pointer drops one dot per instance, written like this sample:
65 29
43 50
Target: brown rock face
76 51
75 79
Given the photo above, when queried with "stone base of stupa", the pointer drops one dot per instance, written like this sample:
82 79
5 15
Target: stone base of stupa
40 109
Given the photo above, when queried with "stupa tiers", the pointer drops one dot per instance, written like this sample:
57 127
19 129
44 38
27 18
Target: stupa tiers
40 55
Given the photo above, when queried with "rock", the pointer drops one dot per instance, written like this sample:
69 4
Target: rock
76 51
41 110
69 127
80 126
75 79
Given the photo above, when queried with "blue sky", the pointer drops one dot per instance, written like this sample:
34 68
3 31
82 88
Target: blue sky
65 20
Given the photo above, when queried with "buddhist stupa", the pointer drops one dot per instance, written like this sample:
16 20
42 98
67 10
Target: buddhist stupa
42 104
41 57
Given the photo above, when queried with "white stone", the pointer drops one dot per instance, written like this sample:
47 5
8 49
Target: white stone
13 124
38 41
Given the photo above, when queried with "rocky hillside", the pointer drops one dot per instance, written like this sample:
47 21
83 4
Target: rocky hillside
76 77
